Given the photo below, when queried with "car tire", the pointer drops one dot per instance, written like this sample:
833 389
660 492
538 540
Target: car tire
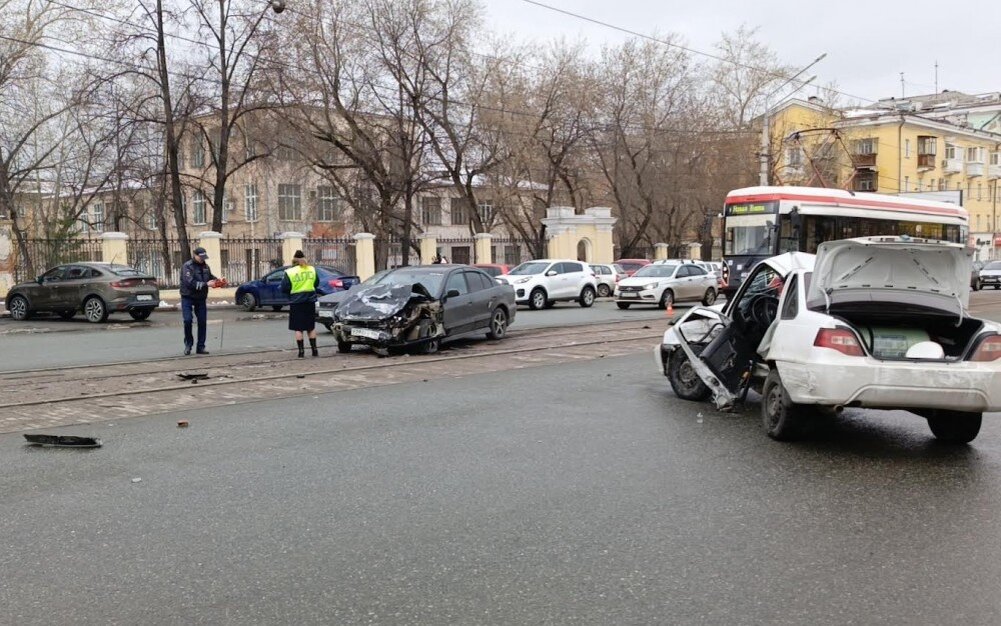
537 299
19 309
623 305
604 290
709 298
684 381
67 314
997 287
498 324
276 307
249 302
140 315
344 346
781 418
586 299
955 426
666 299
976 285
431 346
95 310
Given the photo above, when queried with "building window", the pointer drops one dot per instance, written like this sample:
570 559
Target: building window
866 180
931 185
950 151
460 255
794 157
907 183
980 191
975 155
151 221
460 216
907 148
198 208
326 204
512 255
98 219
995 158
197 154
941 184
865 146
250 203
486 212
431 211
290 203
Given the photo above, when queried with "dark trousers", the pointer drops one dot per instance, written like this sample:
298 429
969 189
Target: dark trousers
191 308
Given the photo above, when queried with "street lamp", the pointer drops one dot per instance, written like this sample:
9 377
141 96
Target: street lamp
765 139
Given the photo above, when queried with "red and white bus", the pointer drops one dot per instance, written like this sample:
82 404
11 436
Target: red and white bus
760 222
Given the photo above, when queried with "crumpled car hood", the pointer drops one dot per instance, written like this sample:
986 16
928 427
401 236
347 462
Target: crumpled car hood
380 302
893 267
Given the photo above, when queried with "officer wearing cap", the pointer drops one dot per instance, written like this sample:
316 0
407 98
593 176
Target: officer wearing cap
195 279
300 283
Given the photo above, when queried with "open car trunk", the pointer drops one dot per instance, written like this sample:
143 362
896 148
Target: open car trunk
888 331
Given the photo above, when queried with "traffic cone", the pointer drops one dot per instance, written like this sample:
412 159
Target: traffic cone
670 309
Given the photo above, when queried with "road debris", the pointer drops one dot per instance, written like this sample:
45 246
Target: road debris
137 480
182 423
193 375
63 441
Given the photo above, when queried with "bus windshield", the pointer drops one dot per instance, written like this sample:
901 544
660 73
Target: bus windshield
749 234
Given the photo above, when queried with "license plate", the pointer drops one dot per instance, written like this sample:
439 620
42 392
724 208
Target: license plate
365 332
630 295
326 313
144 298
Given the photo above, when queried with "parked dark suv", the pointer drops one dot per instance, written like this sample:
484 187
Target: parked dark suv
96 289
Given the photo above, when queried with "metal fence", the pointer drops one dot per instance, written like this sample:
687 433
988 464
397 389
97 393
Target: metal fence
39 255
151 256
510 251
332 252
247 258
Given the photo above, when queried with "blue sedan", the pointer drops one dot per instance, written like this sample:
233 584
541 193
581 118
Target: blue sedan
266 291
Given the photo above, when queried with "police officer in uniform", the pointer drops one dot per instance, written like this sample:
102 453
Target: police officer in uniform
300 283
195 281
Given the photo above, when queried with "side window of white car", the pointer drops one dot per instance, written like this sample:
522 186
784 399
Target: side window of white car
790 308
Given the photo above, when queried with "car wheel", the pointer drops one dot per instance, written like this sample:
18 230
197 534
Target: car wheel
95 310
18 307
248 302
780 416
976 285
67 314
276 307
666 299
537 299
684 381
498 324
709 298
344 346
623 305
141 314
955 426
997 286
586 298
604 290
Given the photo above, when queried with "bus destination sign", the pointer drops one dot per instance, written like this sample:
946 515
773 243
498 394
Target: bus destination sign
750 209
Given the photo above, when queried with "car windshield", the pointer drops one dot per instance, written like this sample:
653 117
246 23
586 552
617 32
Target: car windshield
660 270
124 270
532 267
995 265
430 278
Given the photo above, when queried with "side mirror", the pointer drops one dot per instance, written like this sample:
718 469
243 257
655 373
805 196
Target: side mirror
551 273
452 293
39 280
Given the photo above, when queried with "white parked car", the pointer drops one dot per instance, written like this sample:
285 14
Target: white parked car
990 275
544 282
877 322
663 283
607 275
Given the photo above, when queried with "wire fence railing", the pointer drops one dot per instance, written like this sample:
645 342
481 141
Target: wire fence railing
37 256
248 258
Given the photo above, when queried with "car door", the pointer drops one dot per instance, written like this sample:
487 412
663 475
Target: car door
701 280
46 295
458 305
484 293
270 289
68 292
682 283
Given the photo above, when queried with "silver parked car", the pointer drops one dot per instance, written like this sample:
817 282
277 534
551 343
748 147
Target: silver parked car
608 275
990 275
665 282
97 289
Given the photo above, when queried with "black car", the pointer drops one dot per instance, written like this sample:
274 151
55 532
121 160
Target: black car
417 307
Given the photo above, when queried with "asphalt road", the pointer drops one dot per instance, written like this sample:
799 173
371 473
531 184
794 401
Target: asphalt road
50 342
583 493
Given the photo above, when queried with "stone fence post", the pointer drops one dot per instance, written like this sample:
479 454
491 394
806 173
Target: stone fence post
429 248
209 240
483 251
364 255
291 242
114 248
659 251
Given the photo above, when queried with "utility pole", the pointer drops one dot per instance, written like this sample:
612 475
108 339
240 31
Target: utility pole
902 94
936 75
763 158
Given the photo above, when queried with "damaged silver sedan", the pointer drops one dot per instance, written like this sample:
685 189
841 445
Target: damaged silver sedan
415 308
879 322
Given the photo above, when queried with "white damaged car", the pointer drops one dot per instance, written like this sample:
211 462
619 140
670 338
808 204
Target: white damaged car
878 322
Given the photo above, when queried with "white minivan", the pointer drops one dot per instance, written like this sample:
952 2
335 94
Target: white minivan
543 282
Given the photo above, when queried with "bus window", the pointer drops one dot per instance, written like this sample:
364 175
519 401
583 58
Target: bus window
788 238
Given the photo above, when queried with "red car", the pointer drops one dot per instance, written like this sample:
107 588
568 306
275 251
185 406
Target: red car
631 265
494 269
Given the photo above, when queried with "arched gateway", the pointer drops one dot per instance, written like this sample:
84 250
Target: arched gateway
586 237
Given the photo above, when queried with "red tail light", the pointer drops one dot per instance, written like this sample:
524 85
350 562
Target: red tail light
336 283
988 350
125 284
840 339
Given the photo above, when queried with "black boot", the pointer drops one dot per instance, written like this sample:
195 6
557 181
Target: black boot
302 352
312 346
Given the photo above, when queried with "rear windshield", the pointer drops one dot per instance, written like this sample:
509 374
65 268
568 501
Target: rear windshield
632 267
532 267
124 270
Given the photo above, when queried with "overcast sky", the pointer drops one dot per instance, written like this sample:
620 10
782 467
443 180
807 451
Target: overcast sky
868 42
